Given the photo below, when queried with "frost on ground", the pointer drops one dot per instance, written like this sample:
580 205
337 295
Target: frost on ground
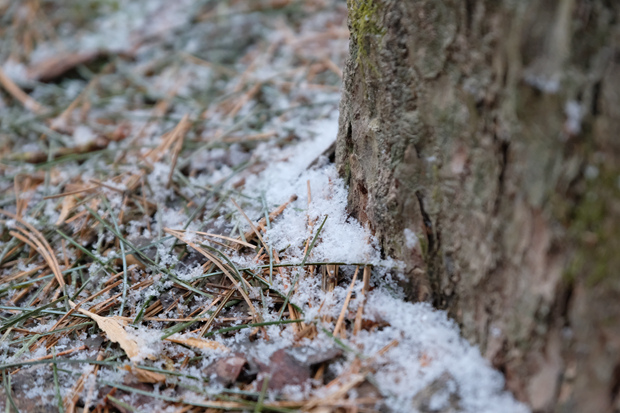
173 234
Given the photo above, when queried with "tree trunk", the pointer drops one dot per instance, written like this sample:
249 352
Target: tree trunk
489 130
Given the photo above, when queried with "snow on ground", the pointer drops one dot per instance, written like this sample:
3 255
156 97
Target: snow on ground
429 346
259 86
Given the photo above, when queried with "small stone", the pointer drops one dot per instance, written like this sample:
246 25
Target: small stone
226 370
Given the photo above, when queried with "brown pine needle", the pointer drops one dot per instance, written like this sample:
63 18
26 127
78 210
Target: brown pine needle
353 381
22 274
209 234
145 376
62 353
255 137
385 349
263 222
310 223
110 187
333 67
15 91
201 343
37 241
217 311
60 121
168 140
245 99
77 191
256 232
175 156
339 323
67 205
360 310
219 264
77 306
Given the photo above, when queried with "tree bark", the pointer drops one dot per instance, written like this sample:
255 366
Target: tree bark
489 130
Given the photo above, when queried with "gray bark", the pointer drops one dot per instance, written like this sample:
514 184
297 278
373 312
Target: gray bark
490 129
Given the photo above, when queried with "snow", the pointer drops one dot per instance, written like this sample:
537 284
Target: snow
429 343
411 239
83 135
430 346
546 84
15 71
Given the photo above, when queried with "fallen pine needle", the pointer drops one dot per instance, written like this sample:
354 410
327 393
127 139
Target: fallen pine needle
145 376
200 343
15 91
345 305
209 234
37 241
360 310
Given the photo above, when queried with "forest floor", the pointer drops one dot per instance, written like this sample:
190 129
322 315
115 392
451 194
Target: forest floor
173 233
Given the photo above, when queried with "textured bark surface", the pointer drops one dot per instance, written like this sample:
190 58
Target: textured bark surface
490 129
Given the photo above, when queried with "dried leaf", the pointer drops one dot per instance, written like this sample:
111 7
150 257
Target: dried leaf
200 343
114 328
67 204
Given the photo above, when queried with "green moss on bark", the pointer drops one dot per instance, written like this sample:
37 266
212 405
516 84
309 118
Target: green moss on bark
595 231
364 26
